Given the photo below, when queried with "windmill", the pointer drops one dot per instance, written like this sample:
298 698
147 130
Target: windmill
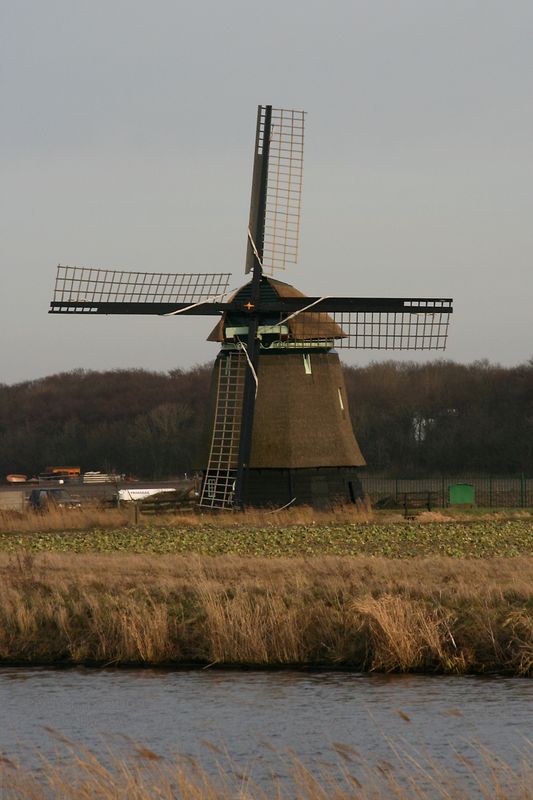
279 429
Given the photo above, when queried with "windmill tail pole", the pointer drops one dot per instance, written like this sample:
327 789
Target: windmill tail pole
251 351
247 422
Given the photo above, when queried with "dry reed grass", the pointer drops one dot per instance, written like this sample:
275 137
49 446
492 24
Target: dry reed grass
94 516
63 519
364 613
146 775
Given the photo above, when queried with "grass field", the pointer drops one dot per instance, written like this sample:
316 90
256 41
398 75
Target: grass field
476 538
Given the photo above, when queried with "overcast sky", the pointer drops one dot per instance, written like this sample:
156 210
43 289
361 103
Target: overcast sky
126 140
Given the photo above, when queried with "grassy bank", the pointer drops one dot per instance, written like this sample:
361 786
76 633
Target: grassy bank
345 775
434 614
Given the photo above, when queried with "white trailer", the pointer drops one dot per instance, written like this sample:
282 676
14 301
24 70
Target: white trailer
127 495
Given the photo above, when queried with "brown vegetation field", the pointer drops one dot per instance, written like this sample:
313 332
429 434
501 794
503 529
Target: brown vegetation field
93 516
434 614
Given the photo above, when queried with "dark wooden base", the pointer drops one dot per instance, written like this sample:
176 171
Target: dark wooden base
322 487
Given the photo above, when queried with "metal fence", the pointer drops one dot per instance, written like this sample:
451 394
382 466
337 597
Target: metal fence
490 491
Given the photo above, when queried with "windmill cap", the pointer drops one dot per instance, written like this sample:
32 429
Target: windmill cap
303 326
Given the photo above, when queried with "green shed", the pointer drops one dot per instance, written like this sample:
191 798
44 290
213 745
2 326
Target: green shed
462 494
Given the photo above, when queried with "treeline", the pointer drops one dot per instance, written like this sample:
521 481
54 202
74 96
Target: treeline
140 423
439 417
443 418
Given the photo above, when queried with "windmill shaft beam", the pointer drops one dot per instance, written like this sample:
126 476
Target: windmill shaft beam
347 304
158 309
259 232
252 345
283 305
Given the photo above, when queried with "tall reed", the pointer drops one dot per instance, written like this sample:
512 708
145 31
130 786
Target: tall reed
436 614
143 774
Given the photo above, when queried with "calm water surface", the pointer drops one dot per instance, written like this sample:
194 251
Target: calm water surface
178 712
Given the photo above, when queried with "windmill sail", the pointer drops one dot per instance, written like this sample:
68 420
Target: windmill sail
420 324
88 289
279 139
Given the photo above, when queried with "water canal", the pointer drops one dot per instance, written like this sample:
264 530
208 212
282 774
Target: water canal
254 715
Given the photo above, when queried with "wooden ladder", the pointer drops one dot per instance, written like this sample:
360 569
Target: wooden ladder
219 481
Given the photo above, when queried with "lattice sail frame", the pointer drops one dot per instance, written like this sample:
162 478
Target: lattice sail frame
284 186
95 285
367 330
284 189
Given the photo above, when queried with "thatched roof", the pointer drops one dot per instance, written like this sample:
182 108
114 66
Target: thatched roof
305 325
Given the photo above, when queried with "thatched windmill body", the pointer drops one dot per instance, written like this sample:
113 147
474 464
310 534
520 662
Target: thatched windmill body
278 426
